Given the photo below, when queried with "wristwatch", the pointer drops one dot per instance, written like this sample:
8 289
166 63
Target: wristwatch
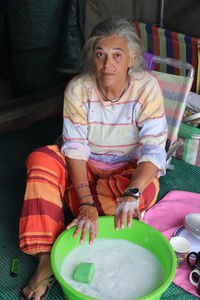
132 192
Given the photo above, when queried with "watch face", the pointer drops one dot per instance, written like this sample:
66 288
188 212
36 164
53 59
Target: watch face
133 192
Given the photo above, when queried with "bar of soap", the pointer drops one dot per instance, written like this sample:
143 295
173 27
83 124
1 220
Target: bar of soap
84 272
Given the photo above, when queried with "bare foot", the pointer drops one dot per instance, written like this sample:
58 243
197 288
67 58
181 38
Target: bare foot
43 271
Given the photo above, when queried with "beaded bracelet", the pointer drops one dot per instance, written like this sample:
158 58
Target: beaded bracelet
84 196
82 185
87 204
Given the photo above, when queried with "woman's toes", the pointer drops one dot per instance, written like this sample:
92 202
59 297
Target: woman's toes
27 293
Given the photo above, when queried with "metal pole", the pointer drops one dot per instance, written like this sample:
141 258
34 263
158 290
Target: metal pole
161 13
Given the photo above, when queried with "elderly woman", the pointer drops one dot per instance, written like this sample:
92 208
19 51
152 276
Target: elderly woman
113 150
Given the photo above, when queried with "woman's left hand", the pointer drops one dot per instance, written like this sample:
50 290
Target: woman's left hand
125 209
87 220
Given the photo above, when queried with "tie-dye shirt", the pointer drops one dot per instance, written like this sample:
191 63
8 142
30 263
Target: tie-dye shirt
112 134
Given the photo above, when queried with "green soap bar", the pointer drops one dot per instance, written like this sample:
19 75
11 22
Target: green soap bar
14 267
84 272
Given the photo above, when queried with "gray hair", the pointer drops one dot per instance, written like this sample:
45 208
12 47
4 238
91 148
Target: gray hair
118 27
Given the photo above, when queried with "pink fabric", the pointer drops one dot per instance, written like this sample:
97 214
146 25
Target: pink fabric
166 216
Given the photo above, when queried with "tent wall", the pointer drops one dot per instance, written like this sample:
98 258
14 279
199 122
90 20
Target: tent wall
96 11
180 15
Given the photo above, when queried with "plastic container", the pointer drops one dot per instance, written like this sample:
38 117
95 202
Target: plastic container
140 233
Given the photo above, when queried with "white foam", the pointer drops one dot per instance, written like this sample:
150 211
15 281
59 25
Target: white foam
123 270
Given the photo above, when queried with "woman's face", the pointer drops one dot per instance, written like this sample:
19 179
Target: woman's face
112 60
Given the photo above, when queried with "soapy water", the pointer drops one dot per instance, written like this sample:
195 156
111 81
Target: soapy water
123 270
126 206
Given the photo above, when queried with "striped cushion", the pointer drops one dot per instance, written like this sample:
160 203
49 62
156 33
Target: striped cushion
189 151
175 90
168 43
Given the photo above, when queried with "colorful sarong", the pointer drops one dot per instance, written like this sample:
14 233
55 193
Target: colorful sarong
48 187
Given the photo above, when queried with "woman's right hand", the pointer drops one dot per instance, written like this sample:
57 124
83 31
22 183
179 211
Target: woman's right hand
87 220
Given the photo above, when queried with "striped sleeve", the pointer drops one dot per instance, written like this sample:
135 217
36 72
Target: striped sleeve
152 126
75 124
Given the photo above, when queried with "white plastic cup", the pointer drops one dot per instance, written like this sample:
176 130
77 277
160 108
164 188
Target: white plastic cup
181 247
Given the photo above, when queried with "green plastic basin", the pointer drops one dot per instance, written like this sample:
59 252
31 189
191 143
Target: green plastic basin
140 234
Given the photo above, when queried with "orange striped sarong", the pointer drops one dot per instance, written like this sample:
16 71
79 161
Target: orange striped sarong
49 186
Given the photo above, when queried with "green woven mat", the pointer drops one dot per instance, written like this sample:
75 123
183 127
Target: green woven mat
14 148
